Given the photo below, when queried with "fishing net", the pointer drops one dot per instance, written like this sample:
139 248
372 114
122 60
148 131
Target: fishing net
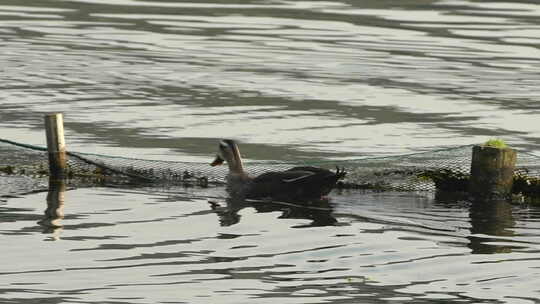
445 169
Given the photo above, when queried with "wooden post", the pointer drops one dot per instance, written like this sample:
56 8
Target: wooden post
492 173
56 145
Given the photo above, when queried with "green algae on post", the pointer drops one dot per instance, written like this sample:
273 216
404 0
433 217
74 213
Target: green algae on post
496 143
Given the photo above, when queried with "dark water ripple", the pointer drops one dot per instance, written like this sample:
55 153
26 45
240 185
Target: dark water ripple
292 75
380 247
292 80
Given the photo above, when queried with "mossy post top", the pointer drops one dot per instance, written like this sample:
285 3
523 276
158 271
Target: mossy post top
495 143
494 150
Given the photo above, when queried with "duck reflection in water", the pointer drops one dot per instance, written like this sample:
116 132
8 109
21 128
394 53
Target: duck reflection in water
319 212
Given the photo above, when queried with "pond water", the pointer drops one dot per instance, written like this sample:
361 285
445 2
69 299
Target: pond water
195 246
291 80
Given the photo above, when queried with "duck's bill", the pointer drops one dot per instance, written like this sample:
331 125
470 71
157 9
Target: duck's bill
218 161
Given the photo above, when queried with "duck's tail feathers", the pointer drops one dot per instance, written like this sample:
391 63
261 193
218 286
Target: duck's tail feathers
340 172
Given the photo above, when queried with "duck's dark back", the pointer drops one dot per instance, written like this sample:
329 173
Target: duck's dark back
298 183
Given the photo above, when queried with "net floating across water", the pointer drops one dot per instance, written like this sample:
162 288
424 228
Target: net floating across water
444 169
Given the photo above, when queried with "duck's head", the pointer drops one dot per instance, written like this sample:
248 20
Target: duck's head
229 152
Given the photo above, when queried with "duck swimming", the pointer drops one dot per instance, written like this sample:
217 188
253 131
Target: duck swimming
298 183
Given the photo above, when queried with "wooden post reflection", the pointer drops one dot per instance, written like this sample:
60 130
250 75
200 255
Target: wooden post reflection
53 215
490 218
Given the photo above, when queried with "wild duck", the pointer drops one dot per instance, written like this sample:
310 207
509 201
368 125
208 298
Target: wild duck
296 184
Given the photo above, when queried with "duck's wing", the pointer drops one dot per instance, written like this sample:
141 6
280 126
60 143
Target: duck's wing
309 169
283 177
301 176
279 184
297 176
297 183
339 174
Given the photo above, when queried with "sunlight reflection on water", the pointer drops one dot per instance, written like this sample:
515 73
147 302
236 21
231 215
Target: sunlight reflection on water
136 246
291 80
454 73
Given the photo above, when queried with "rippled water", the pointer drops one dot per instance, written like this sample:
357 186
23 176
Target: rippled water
290 80
187 246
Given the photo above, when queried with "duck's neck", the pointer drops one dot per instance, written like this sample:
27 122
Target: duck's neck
236 167
237 179
235 164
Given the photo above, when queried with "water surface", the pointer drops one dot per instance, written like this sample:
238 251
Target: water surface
194 246
290 79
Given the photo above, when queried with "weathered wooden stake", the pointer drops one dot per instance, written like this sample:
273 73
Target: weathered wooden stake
56 145
492 172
